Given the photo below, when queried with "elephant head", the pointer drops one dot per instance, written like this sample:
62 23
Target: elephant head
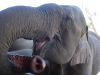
58 31
69 43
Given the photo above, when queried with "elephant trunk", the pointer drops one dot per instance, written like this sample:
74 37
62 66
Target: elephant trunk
38 64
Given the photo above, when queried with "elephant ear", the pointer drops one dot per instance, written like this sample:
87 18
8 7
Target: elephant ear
82 53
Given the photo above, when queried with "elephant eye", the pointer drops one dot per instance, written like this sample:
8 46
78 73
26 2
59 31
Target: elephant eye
39 43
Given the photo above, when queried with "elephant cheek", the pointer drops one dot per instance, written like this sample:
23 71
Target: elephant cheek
54 52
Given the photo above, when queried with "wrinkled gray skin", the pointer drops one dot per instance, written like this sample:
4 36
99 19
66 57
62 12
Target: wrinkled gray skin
65 26
94 42
21 43
92 67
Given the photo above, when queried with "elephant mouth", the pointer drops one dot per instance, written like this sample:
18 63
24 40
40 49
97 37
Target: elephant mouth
39 44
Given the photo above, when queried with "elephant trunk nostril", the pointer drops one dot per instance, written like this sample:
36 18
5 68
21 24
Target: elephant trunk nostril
38 64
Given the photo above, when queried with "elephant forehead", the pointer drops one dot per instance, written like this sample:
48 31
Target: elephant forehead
46 32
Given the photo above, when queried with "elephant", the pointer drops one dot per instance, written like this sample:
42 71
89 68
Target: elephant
93 40
60 36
